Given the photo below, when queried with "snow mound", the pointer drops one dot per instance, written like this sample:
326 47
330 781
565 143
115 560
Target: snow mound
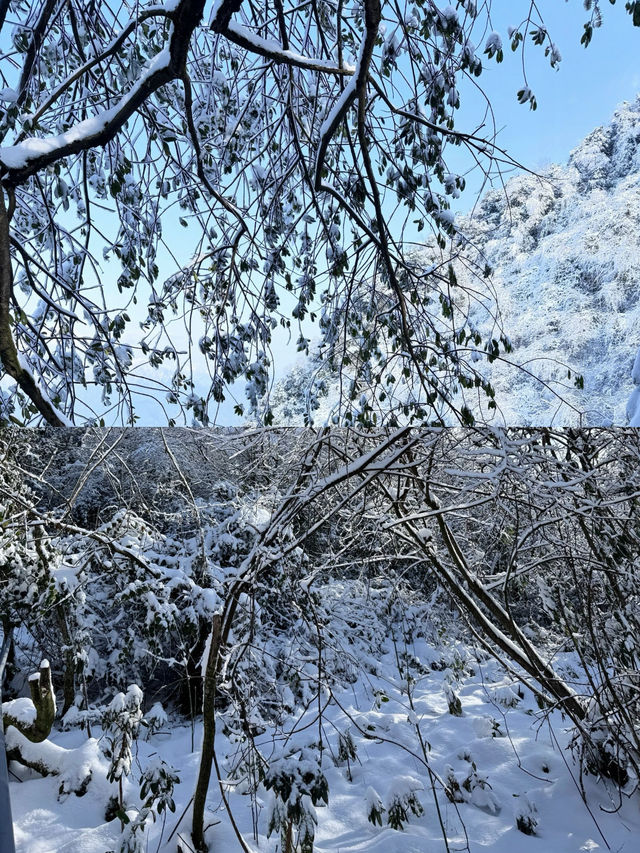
74 768
23 710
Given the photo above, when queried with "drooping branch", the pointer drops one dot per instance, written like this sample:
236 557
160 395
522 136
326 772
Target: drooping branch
37 36
349 93
108 52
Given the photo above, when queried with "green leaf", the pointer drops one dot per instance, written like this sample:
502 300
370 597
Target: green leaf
467 416
634 10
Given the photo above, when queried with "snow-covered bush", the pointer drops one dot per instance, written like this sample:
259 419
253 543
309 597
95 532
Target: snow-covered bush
156 792
347 751
453 701
298 784
155 719
27 553
374 806
526 816
402 800
120 724
138 599
470 786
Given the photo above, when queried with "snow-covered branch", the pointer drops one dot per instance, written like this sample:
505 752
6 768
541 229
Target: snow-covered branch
10 358
18 162
349 93
270 49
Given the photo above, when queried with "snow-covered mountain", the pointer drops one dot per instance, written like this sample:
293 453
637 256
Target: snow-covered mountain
565 249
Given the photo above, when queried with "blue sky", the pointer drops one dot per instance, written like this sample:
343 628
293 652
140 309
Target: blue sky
581 95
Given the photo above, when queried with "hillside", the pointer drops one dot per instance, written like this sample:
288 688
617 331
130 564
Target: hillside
565 249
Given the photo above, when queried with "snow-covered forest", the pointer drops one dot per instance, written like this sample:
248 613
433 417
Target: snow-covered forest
411 623
191 188
274 640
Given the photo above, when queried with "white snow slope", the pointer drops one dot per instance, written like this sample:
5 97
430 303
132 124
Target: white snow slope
565 250
564 247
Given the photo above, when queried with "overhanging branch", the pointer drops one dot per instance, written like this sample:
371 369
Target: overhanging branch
272 50
19 162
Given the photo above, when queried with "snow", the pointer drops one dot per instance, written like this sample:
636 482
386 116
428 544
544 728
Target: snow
494 42
522 766
18 156
74 764
565 255
156 718
633 408
635 372
447 217
24 364
633 404
345 97
273 48
22 709
403 785
65 575
372 799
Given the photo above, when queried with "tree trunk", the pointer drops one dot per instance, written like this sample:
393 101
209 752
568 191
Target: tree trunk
43 698
52 761
68 684
9 669
8 353
208 738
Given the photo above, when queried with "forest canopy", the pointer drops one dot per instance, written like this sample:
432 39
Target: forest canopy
186 183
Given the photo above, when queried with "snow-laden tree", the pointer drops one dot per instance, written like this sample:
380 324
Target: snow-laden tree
183 178
633 410
534 536
289 585
26 552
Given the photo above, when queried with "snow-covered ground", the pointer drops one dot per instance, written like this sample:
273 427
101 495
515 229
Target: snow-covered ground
501 759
